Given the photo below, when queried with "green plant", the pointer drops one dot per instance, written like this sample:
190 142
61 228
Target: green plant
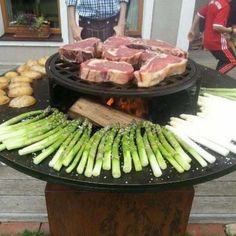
188 234
31 21
29 233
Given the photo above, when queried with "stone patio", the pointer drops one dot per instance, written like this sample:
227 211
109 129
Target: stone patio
205 58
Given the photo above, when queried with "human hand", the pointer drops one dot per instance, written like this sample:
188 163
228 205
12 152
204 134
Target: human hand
119 30
191 36
76 32
234 31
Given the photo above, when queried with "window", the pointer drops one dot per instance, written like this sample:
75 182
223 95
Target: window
48 9
135 18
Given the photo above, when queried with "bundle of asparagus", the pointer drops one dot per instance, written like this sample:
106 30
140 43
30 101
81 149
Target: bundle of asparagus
211 127
77 145
229 93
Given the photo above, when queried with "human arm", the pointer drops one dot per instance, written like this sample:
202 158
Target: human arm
220 22
76 29
120 27
194 29
223 29
196 22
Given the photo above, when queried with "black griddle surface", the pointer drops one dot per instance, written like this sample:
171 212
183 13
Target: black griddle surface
133 182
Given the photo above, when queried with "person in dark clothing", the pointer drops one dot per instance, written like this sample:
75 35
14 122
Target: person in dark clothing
216 16
97 18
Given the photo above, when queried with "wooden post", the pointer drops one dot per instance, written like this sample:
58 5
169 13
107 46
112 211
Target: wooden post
74 212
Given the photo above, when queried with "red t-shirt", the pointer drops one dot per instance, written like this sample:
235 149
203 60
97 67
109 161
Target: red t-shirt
215 13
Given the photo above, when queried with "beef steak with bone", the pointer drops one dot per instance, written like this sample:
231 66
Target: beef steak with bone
114 59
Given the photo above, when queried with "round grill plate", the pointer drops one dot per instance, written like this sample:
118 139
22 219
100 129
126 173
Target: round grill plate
67 75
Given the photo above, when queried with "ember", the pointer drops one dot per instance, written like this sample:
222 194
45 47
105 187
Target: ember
133 106
110 101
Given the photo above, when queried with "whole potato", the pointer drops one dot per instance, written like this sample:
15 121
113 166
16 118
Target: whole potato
2 92
4 100
18 85
22 68
21 78
11 74
40 69
42 60
20 91
32 74
23 101
31 62
4 81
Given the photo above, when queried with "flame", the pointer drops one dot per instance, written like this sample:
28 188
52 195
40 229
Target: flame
110 101
134 106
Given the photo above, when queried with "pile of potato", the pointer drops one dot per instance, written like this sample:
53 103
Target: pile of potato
15 86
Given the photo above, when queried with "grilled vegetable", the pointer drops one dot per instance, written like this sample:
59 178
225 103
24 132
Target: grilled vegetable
134 150
154 144
106 165
125 142
141 147
77 145
152 159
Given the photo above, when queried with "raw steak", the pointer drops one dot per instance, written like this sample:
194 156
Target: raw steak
101 70
157 46
123 53
117 41
159 67
81 51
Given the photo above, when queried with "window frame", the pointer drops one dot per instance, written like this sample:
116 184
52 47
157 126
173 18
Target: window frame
12 29
138 31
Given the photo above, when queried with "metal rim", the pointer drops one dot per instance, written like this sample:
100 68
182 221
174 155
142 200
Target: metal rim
89 184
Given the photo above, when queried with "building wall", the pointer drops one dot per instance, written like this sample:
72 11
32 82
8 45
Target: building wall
172 20
199 4
166 16
14 55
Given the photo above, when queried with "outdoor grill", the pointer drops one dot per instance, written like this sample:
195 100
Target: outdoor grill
65 75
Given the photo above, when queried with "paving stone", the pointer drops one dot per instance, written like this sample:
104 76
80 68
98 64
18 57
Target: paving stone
205 58
14 228
206 230
44 228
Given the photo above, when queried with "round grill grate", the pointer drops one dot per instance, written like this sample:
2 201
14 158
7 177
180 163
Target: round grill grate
67 75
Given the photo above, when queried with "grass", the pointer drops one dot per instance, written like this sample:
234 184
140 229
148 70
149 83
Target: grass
188 234
29 233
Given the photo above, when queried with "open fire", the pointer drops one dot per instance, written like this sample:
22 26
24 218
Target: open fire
134 106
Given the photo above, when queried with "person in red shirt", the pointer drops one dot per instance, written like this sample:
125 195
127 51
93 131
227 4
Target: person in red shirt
216 14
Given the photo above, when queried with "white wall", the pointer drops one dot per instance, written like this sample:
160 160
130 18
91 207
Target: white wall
185 22
165 21
172 20
147 18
